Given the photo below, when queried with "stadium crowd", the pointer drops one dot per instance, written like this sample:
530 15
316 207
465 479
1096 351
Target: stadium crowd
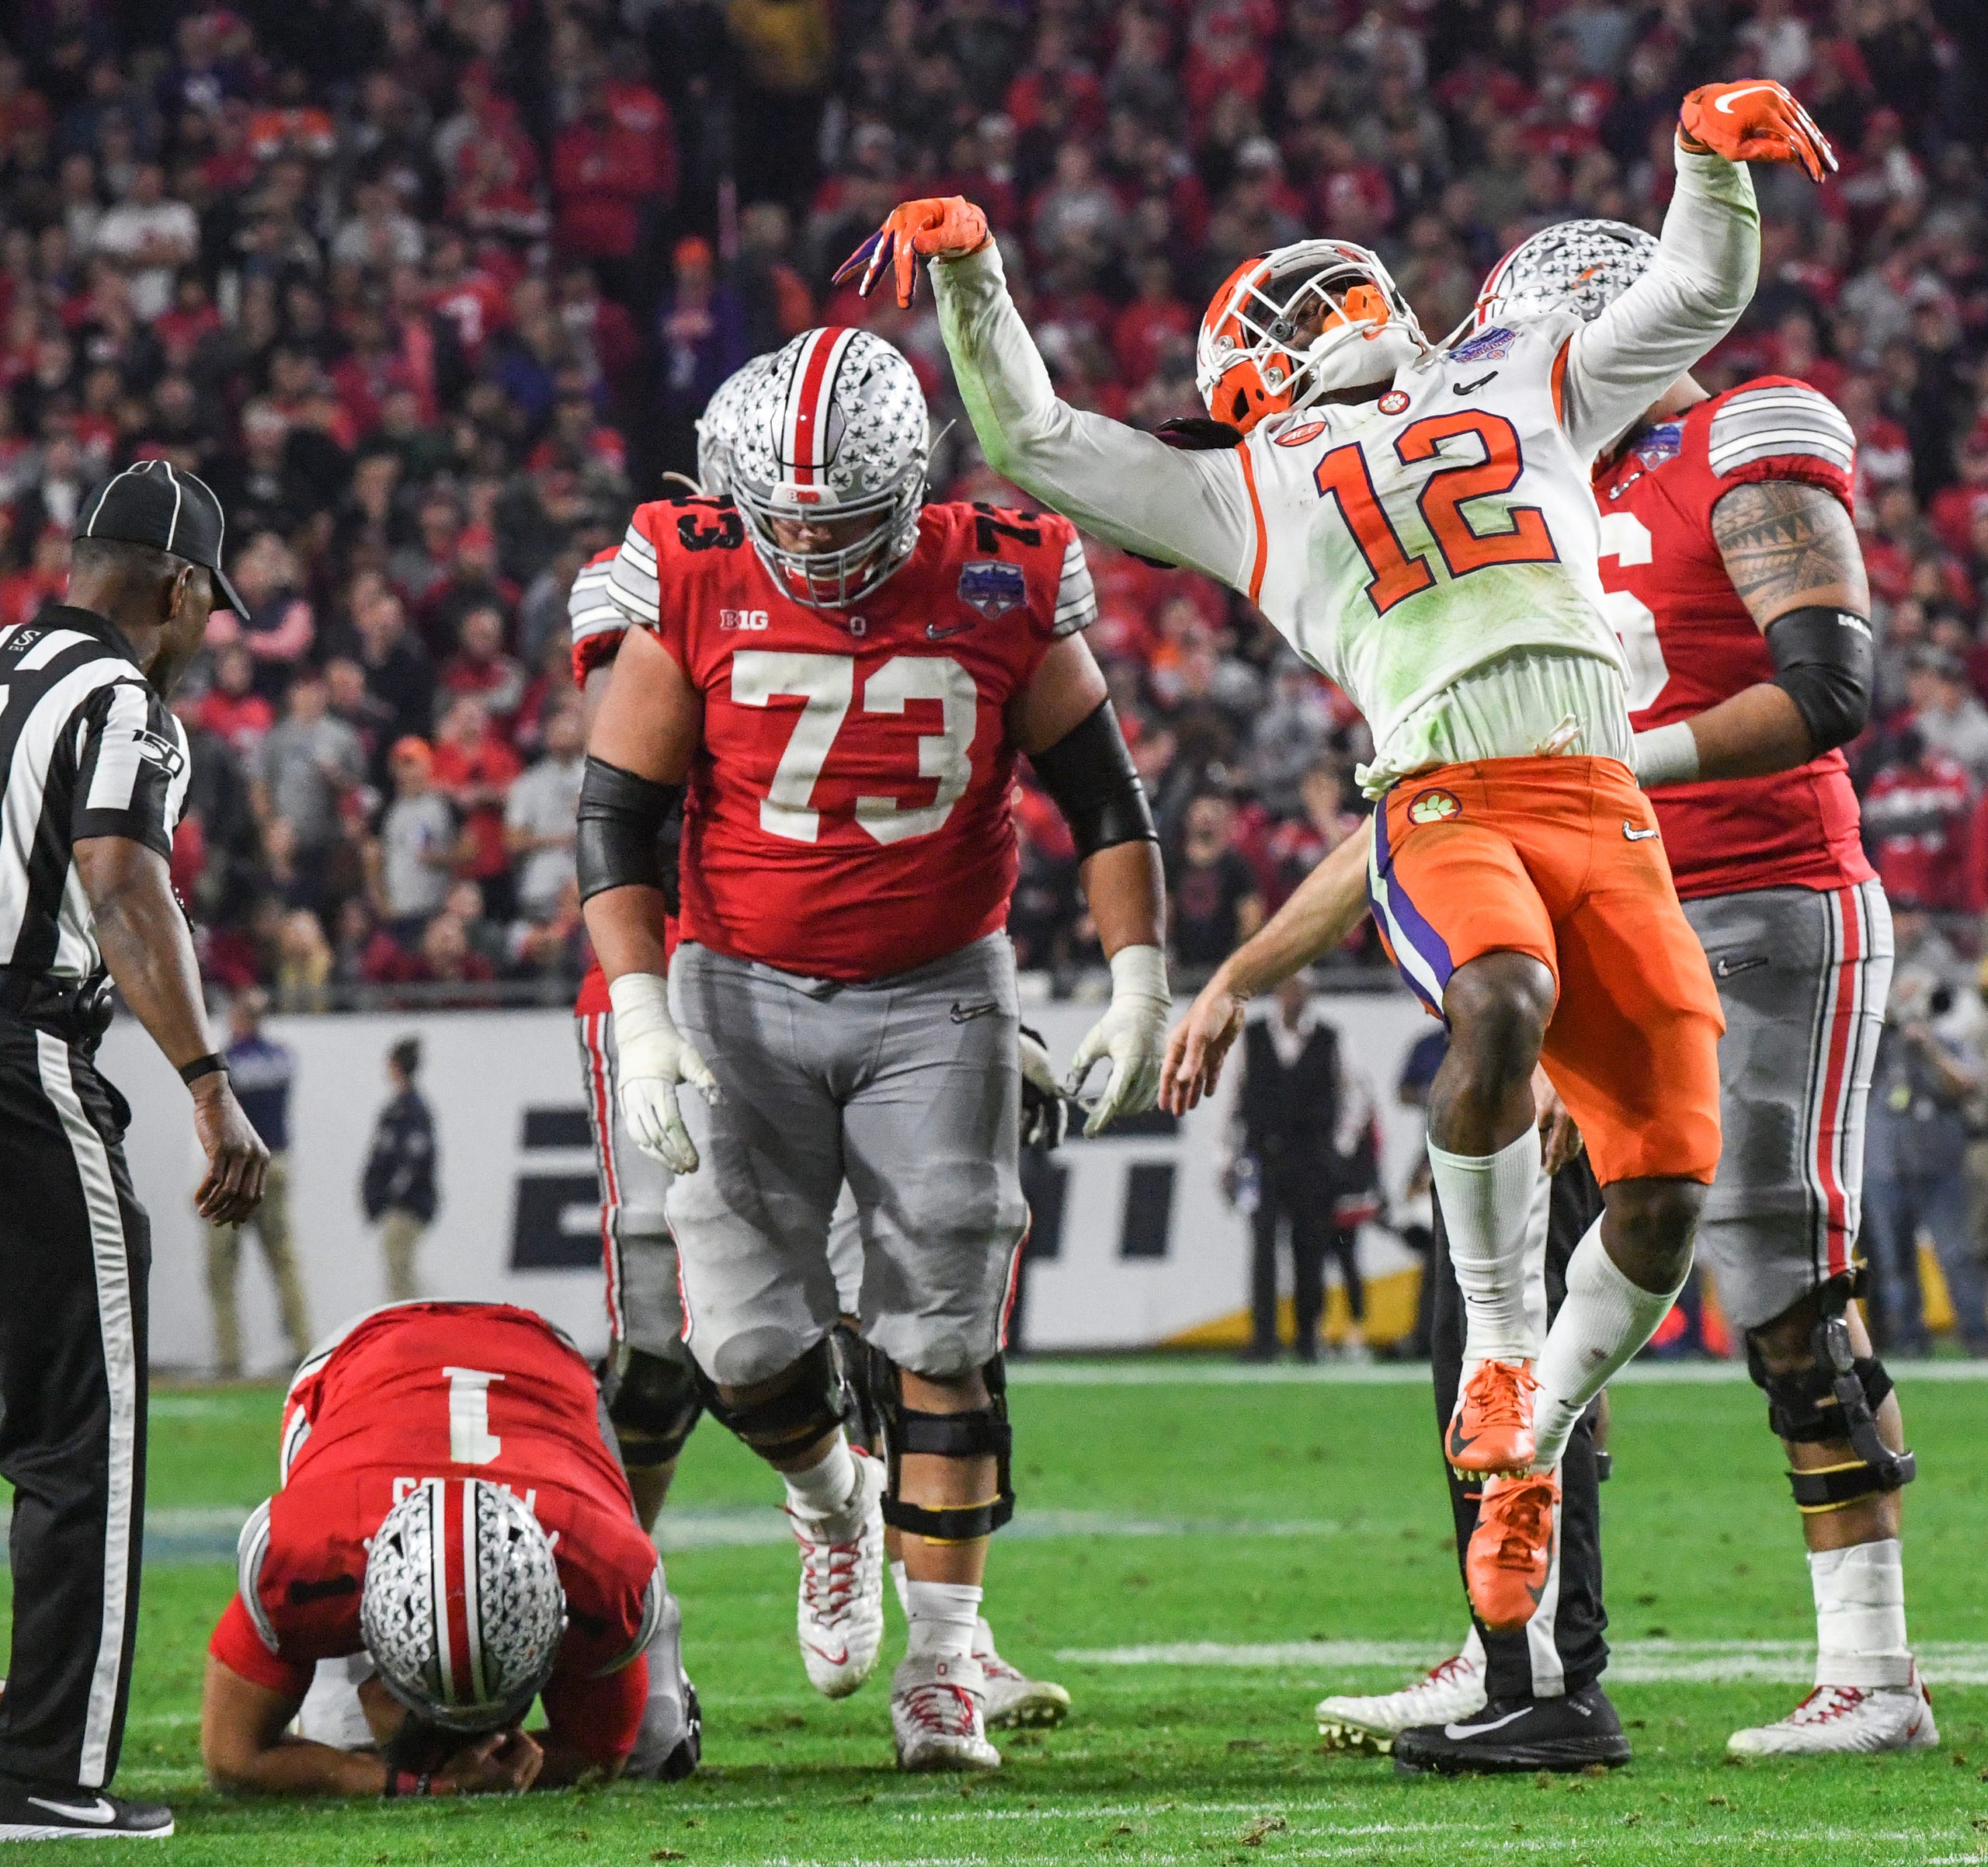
432 292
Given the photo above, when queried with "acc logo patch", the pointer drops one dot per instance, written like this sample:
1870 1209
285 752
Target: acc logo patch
1433 807
993 587
1486 345
1393 402
1297 436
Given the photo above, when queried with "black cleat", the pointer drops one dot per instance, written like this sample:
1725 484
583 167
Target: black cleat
1570 1733
61 1812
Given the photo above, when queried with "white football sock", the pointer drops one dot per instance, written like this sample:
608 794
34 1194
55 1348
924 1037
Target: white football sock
1860 1615
943 1616
900 1581
826 1487
1487 1201
1605 1318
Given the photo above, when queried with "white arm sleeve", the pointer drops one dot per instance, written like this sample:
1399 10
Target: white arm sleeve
1122 485
1701 280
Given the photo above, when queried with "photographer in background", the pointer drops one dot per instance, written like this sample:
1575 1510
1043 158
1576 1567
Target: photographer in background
1915 1171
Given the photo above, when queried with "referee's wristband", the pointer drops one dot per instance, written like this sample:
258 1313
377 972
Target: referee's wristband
190 1073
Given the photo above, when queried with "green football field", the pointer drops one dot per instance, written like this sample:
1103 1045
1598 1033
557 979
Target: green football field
1197 1556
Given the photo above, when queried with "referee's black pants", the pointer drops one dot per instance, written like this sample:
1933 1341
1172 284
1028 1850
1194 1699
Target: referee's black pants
1561 1648
75 1248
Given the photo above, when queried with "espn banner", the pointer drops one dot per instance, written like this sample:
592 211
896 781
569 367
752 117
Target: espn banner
1133 1246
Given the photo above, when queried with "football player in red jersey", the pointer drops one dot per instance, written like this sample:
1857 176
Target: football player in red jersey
1738 588
836 678
648 1385
453 1522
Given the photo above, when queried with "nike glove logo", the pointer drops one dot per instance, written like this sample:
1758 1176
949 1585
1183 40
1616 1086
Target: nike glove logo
1466 388
1724 104
1637 836
965 1014
97 1814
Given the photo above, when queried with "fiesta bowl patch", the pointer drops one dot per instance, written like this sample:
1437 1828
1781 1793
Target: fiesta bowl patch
1487 345
1297 436
1657 445
993 587
1394 401
1433 807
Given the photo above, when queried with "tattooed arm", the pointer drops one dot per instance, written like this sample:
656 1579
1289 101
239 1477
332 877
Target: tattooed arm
1786 547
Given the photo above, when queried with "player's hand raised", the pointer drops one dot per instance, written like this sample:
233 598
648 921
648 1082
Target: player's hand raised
1756 121
1131 1035
652 1058
1199 1046
505 1763
946 227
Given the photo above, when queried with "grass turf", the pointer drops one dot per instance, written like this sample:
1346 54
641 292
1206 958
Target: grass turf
1261 1513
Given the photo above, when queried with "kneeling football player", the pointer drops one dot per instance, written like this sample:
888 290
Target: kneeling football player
454 1538
831 679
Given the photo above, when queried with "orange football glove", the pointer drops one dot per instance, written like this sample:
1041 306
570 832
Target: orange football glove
1757 121
947 228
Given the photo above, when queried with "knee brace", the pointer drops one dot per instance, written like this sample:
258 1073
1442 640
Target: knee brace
1837 1399
652 1403
972 1435
863 1368
812 1404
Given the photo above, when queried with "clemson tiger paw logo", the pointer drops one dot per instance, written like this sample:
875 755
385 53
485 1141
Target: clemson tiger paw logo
1433 807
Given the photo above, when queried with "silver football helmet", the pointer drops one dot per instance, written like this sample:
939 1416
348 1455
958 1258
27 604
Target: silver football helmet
462 1609
718 427
831 451
1581 266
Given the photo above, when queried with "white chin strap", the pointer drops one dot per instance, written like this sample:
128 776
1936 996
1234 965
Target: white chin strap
1347 357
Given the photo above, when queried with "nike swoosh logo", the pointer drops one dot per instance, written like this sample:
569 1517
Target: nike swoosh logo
1637 836
1458 1445
1724 104
934 633
1465 389
965 1014
1457 1732
97 1814
834 1659
1726 968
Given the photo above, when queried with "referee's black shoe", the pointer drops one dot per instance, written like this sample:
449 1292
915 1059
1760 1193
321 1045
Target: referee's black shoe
1569 1734
48 1811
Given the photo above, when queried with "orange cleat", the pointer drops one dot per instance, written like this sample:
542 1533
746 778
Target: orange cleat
1491 1431
1511 1549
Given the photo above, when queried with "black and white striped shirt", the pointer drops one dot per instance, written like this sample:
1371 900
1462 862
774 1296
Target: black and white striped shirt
88 747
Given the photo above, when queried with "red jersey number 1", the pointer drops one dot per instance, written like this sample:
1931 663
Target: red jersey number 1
1342 475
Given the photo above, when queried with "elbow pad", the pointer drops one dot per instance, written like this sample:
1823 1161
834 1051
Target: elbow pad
1823 661
1089 774
626 836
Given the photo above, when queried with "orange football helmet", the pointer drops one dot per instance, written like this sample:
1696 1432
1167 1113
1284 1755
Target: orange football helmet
1288 326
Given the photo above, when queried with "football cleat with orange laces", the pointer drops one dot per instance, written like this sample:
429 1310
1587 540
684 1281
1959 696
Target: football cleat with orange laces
946 227
1756 120
1491 1431
1511 1549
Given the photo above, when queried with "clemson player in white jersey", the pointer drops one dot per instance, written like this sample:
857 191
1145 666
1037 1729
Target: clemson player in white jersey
1416 519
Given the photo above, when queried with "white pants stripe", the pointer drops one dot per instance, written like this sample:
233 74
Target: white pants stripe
109 1248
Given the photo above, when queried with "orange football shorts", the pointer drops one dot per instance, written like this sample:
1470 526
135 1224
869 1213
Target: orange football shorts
1559 857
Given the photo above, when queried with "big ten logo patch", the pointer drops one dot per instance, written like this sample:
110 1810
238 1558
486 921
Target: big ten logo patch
741 619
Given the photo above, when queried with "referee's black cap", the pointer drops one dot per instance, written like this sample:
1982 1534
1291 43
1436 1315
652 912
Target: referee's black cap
154 502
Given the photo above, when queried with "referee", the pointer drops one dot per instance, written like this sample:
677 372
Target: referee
93 773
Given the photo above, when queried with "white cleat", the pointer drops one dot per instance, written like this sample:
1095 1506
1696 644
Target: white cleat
1846 1720
841 1614
1014 1700
1445 1694
938 1715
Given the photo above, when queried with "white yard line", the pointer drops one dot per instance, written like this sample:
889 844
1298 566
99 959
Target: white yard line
1210 1373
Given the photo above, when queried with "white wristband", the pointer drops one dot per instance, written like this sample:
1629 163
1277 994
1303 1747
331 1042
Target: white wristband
641 1007
1667 755
1141 971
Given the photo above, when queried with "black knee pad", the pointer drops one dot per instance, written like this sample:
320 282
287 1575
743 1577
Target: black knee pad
652 1404
973 1435
1836 1398
865 1372
812 1404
